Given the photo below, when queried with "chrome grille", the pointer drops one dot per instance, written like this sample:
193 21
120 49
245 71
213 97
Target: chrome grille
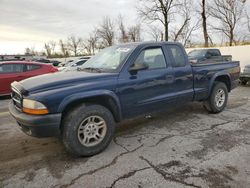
16 98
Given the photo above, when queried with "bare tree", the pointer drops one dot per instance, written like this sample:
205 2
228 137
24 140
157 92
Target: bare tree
74 44
63 48
185 13
106 32
156 33
204 23
228 13
187 34
27 51
159 10
248 22
123 31
47 49
134 33
91 43
50 48
30 51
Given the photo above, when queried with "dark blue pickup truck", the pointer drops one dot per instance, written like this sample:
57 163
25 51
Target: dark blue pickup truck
120 82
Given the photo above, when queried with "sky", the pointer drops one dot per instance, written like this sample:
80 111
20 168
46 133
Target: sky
30 23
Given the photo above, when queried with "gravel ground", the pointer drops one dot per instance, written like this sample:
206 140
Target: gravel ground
184 147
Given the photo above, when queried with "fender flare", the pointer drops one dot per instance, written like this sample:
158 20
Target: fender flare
211 83
79 96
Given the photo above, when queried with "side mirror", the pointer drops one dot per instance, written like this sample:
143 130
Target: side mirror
137 67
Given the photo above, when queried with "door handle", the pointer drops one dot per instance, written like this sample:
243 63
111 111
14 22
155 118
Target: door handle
170 78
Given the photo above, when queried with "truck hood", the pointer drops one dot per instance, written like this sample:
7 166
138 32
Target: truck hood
62 79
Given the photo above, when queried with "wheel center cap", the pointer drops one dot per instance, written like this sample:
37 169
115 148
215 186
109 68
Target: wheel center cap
91 128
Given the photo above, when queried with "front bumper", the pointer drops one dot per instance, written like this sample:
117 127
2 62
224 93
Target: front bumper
37 125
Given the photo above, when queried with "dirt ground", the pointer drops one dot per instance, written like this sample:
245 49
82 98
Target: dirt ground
182 147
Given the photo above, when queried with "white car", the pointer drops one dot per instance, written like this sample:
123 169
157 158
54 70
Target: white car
72 65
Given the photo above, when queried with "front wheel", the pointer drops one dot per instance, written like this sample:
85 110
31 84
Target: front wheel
218 98
88 130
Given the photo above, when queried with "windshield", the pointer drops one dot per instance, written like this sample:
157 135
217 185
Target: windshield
109 59
197 53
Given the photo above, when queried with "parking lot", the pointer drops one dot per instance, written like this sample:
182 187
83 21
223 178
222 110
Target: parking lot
182 147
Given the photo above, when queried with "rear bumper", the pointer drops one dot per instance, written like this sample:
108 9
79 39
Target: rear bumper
37 126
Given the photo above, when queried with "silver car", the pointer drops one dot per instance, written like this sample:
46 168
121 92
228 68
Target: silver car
245 76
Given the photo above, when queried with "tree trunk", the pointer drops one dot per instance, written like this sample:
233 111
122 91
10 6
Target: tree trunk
231 37
166 31
204 23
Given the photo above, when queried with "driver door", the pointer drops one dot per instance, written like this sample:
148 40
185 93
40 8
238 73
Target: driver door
147 90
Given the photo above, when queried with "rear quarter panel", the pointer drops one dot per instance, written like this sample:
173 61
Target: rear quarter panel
205 75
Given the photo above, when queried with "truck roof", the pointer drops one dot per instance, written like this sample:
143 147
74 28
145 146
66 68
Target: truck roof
148 43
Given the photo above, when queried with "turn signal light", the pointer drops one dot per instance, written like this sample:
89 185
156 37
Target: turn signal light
35 111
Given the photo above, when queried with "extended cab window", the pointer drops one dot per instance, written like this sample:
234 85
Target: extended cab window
11 68
153 57
178 56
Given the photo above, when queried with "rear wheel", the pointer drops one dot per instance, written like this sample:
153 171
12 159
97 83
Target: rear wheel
88 130
217 101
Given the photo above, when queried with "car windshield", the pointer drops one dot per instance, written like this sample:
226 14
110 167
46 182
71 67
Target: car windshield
197 53
109 59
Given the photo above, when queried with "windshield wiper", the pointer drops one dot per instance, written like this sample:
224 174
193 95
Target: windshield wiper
91 69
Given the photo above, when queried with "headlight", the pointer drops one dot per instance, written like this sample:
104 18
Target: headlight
34 107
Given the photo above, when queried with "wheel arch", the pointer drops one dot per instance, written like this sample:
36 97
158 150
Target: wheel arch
105 98
220 77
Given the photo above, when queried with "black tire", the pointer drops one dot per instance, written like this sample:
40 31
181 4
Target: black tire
74 119
210 105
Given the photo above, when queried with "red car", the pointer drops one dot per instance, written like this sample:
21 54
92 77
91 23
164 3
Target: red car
11 71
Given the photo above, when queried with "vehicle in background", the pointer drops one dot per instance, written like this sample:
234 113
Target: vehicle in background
65 63
245 75
72 65
207 55
119 83
41 60
12 60
55 63
11 71
85 57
